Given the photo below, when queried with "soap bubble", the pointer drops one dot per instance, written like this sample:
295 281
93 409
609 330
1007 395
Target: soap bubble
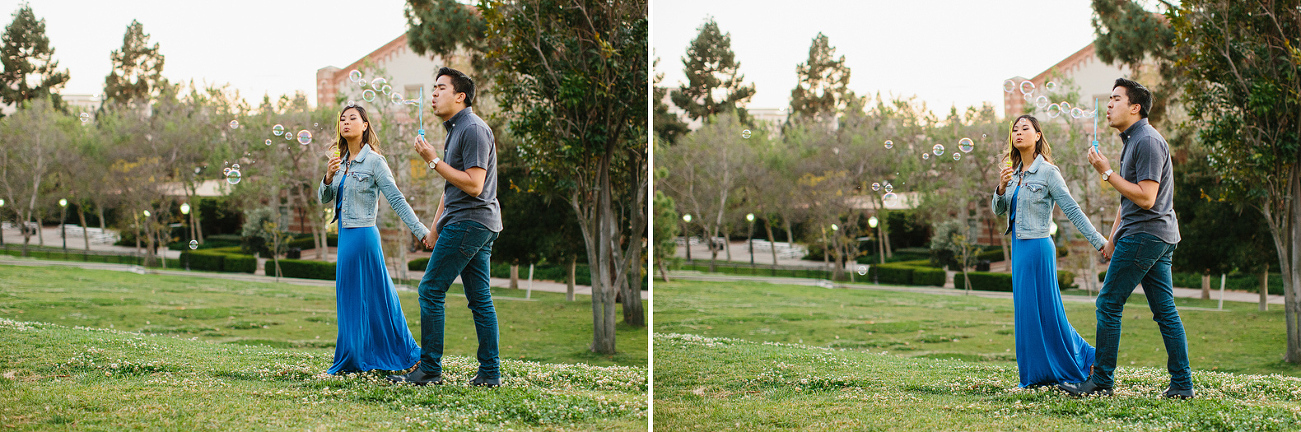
289 136
386 89
966 145
197 170
890 198
234 124
1077 112
957 156
1041 101
1054 110
745 134
234 167
889 144
876 186
396 98
304 137
368 95
1009 85
277 130
378 83
355 75
268 141
938 149
1065 106
233 177
194 244
889 187
1027 87
926 156
1050 86
862 270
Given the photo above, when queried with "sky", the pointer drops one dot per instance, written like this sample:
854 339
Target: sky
258 47
946 53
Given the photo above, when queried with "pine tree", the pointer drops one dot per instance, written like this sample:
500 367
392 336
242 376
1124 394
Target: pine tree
668 127
27 54
1129 35
137 72
710 64
441 27
823 88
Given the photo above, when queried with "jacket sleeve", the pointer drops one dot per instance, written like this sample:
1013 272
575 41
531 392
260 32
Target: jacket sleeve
1000 203
1062 196
384 179
325 192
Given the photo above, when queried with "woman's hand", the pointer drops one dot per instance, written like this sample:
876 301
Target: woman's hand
1004 178
332 168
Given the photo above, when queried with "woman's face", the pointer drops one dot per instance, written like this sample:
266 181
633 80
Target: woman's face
351 125
1024 136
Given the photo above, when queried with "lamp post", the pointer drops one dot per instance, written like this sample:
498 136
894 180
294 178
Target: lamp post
686 233
873 222
2 234
834 231
63 231
185 210
750 217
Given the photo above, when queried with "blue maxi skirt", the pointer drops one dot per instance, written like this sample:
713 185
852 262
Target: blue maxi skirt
373 333
1048 350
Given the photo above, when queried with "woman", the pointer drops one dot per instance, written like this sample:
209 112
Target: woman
1048 349
373 333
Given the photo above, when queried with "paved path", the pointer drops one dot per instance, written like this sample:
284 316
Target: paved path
1179 292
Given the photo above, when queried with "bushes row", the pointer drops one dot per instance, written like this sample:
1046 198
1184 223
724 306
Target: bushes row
1236 282
227 259
987 281
306 269
907 273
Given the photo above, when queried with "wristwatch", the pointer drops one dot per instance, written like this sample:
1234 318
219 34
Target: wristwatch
434 163
1107 174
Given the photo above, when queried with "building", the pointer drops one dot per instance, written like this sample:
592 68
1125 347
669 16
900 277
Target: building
404 70
1082 71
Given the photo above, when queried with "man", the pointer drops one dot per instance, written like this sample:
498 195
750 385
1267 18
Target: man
468 220
1142 242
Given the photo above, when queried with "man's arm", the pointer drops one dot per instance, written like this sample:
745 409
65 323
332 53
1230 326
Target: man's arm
1143 194
469 181
432 238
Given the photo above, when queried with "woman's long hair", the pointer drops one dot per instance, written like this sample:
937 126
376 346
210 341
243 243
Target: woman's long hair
1041 147
367 136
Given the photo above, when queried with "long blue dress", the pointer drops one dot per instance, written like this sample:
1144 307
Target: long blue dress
1048 350
373 333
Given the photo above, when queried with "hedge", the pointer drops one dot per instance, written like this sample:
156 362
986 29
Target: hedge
306 269
226 259
929 276
988 281
1247 282
307 242
916 272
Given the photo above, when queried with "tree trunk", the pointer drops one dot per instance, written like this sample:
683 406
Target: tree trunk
573 270
1292 272
514 275
195 220
885 236
772 245
99 209
40 227
633 313
1264 289
85 233
1206 285
790 236
727 243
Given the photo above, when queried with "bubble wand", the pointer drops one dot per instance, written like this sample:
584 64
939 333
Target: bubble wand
1095 124
421 96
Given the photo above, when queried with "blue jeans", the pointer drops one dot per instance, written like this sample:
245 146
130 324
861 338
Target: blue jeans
464 249
1140 258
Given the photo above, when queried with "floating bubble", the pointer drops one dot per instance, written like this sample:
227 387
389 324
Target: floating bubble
1027 87
1065 106
966 145
234 124
745 134
1054 110
386 89
1077 112
268 141
957 156
396 98
277 130
926 156
1009 85
890 198
1091 114
983 136
355 75
194 244
368 95
1041 101
304 137
412 102
1050 86
225 171
316 125
876 186
938 149
862 270
889 187
233 177
378 83
889 144
234 167
289 136
197 170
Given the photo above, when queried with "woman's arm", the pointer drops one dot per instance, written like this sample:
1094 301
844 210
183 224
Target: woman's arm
1060 194
384 181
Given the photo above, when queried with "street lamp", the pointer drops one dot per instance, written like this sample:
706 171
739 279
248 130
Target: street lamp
686 234
750 217
63 232
185 210
2 233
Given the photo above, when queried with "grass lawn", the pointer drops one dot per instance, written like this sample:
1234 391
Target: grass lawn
757 356
91 349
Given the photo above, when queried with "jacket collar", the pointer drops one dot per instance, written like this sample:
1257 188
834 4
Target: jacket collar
1034 167
365 150
1129 132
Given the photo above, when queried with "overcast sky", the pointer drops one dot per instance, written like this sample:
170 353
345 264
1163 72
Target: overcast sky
257 46
945 52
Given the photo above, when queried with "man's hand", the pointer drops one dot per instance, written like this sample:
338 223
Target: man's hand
429 240
1098 161
1107 249
426 151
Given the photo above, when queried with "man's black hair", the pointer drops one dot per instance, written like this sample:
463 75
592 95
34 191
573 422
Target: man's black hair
460 83
1137 94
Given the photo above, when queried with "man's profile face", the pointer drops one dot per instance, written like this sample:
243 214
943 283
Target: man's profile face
444 98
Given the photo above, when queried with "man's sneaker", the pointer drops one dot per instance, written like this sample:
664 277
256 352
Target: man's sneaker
1173 393
417 377
481 381
1086 388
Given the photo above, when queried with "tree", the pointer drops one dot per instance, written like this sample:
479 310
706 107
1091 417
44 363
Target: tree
668 127
704 175
29 158
1241 71
952 236
444 27
714 84
573 86
137 74
666 232
30 71
823 88
1130 35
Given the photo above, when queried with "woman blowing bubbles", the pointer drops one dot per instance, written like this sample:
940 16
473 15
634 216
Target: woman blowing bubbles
373 333
1048 350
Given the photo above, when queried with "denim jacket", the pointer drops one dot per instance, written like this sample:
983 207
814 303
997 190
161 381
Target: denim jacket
1041 186
369 175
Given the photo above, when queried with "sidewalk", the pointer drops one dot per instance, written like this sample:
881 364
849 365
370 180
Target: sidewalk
75 243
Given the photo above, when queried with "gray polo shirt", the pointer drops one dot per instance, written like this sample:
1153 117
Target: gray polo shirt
470 144
1146 156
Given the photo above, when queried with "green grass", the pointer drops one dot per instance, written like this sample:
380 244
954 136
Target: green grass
60 377
284 315
732 384
1241 340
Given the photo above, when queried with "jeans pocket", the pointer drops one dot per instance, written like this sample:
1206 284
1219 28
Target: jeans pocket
472 240
1143 250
